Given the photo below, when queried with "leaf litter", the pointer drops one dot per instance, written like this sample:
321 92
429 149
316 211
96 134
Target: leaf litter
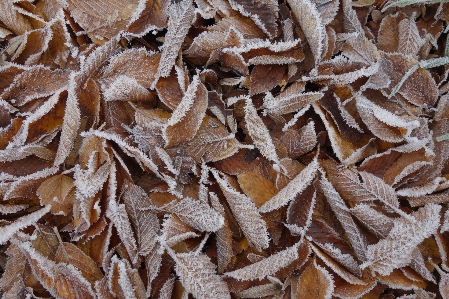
224 149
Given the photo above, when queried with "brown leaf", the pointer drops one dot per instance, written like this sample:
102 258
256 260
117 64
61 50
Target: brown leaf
28 85
246 214
212 142
265 77
69 254
188 116
58 192
420 88
315 282
101 20
256 186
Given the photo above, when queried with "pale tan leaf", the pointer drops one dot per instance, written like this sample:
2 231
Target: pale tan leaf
256 185
315 282
188 116
56 191
197 274
245 213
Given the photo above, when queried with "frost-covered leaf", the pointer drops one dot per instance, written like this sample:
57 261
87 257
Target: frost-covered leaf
260 12
223 235
300 142
102 20
195 213
267 266
13 19
60 279
197 274
294 187
262 291
69 254
411 79
264 77
289 101
119 217
395 250
28 85
212 142
175 231
186 119
409 39
246 214
383 123
7 231
310 21
342 213
259 133
136 64
377 222
180 17
144 221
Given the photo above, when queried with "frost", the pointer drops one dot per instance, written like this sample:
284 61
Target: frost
7 231
195 213
259 133
180 17
267 266
395 250
294 187
188 115
341 211
198 276
309 19
246 214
